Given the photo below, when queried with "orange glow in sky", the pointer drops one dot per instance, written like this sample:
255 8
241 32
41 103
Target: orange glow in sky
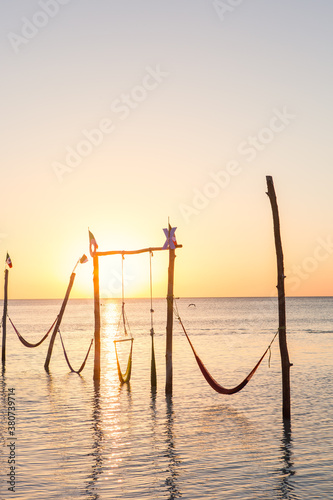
111 123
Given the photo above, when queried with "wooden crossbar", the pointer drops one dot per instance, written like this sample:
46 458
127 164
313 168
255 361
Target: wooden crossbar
133 252
122 340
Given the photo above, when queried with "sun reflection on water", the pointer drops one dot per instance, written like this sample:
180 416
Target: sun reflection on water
110 312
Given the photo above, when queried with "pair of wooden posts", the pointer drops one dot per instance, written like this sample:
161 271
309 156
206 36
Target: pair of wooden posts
285 363
170 298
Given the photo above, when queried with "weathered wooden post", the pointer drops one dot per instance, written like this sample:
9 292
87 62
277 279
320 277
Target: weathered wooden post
57 325
97 313
97 333
169 327
4 317
285 363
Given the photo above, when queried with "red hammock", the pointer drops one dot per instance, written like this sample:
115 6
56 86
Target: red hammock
67 360
25 342
211 381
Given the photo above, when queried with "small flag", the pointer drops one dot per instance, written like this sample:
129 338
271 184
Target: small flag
170 238
83 259
8 261
173 236
93 245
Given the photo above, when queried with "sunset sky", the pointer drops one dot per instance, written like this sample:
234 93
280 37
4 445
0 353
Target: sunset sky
117 115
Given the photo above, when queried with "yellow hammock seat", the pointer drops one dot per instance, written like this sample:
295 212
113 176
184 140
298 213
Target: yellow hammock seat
124 378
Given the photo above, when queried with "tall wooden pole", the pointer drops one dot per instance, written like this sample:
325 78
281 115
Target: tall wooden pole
97 334
4 318
57 325
285 363
168 384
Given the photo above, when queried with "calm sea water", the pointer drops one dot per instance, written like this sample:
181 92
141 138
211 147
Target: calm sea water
76 440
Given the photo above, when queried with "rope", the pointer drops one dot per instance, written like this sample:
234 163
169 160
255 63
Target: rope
123 294
124 378
211 381
123 320
25 342
123 323
66 357
151 295
123 316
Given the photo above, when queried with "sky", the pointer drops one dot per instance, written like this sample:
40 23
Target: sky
119 115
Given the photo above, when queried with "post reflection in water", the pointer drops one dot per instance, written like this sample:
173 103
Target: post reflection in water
3 386
3 415
98 436
154 431
287 470
153 392
174 461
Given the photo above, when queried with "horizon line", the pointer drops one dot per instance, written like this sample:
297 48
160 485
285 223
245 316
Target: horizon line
179 297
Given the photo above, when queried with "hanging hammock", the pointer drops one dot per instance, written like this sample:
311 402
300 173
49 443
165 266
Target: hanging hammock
211 381
124 378
67 360
25 342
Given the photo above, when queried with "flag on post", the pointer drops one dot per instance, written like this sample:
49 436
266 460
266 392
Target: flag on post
172 235
8 261
92 244
83 259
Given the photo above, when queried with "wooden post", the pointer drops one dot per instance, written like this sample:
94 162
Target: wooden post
4 318
57 325
168 384
97 334
285 363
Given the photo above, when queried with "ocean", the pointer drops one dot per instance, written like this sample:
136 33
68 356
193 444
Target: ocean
72 439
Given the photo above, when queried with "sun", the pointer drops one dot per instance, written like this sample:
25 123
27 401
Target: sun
130 275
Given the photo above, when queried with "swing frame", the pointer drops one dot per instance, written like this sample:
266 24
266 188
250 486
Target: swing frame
97 333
